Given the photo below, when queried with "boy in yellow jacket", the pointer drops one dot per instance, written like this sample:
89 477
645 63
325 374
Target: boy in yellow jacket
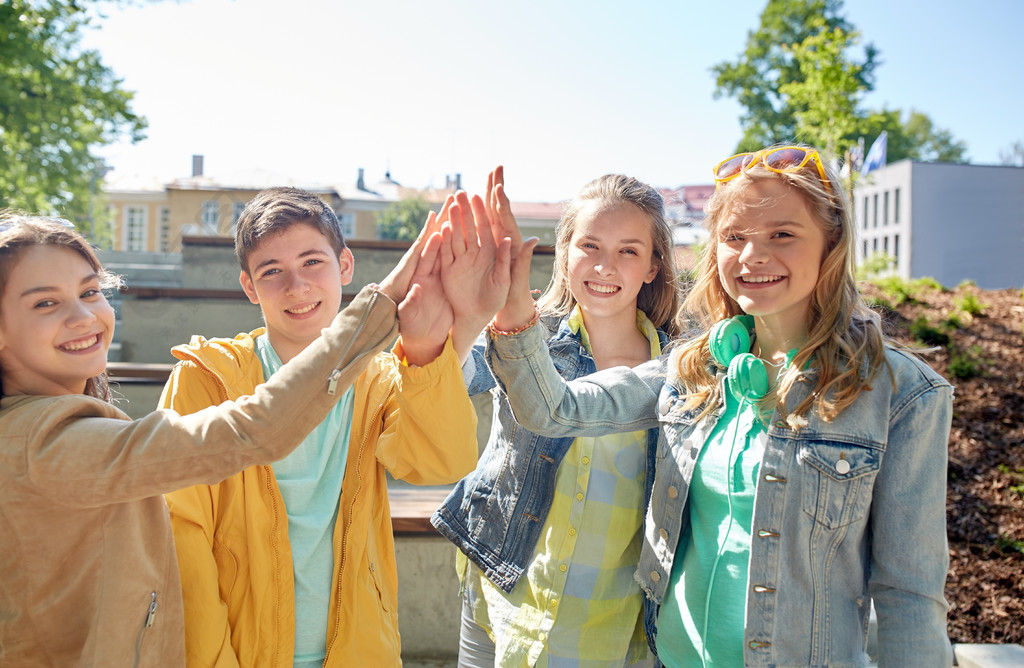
294 563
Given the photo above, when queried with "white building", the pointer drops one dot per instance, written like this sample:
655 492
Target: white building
949 221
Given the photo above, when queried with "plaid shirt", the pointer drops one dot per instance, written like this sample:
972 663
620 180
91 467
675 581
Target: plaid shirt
578 603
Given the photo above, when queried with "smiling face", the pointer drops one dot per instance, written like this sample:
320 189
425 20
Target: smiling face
609 258
296 278
770 251
55 326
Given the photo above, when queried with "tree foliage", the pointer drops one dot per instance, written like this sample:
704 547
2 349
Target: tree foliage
770 62
403 220
797 81
58 104
915 138
825 97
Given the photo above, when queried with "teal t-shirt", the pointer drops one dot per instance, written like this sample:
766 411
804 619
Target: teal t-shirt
701 622
310 480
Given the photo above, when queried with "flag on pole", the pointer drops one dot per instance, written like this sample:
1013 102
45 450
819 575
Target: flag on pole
876 156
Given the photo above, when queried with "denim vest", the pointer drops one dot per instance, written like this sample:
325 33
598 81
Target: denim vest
496 513
845 512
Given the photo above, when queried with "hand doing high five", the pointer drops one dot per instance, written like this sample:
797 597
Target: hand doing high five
518 308
424 314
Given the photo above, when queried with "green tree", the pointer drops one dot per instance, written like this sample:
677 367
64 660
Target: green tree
797 80
770 61
402 220
58 104
825 97
915 138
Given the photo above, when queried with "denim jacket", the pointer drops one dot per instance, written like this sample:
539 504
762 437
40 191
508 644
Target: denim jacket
845 512
496 513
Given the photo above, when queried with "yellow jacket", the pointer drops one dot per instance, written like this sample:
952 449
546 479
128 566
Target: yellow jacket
232 537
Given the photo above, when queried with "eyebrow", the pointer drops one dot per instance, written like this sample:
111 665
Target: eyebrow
274 260
52 288
635 242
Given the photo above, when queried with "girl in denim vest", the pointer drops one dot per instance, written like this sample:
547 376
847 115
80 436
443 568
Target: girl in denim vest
801 469
552 526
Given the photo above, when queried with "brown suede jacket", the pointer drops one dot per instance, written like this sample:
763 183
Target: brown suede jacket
88 574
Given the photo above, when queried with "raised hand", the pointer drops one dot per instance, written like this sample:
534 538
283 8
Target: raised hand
425 316
518 309
474 269
396 284
499 210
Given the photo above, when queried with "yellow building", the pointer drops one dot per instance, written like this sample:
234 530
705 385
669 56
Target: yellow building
150 216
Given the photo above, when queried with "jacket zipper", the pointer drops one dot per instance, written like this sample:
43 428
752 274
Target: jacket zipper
147 624
347 528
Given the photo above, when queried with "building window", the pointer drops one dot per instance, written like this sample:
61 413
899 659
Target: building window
896 250
135 228
874 245
165 229
236 213
348 224
885 209
896 206
874 215
885 244
864 254
865 214
211 217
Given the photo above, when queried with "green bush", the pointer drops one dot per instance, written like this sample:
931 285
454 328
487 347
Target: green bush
928 283
965 364
969 303
880 303
1007 543
898 290
875 265
928 334
953 320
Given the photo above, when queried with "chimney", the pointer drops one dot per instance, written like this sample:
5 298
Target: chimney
360 184
197 165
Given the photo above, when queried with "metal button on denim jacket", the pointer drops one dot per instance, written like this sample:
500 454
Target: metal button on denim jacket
845 511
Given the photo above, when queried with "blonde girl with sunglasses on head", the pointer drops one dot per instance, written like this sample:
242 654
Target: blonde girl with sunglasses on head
552 526
801 469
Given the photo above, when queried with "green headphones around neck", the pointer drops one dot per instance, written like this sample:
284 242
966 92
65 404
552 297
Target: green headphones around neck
729 341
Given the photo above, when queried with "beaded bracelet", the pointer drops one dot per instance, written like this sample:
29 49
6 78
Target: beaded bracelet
518 330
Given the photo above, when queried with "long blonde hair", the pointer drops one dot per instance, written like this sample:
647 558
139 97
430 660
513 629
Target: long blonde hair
846 347
19 232
660 298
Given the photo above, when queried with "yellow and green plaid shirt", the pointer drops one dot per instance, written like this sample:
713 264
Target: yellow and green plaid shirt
577 603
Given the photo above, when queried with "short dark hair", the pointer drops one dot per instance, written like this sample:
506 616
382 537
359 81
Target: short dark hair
276 209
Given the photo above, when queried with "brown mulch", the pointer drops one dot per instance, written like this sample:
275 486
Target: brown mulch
985 497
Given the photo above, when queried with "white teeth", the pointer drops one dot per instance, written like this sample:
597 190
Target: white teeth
759 279
81 345
606 289
304 309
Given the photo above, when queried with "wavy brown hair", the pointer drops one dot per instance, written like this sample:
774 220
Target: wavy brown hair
19 232
846 348
660 298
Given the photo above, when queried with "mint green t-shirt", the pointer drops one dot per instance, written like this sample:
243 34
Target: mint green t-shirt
310 481
701 622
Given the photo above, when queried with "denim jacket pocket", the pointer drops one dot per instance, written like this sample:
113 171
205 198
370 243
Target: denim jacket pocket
837 480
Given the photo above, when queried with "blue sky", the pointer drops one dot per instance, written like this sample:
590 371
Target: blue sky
558 91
